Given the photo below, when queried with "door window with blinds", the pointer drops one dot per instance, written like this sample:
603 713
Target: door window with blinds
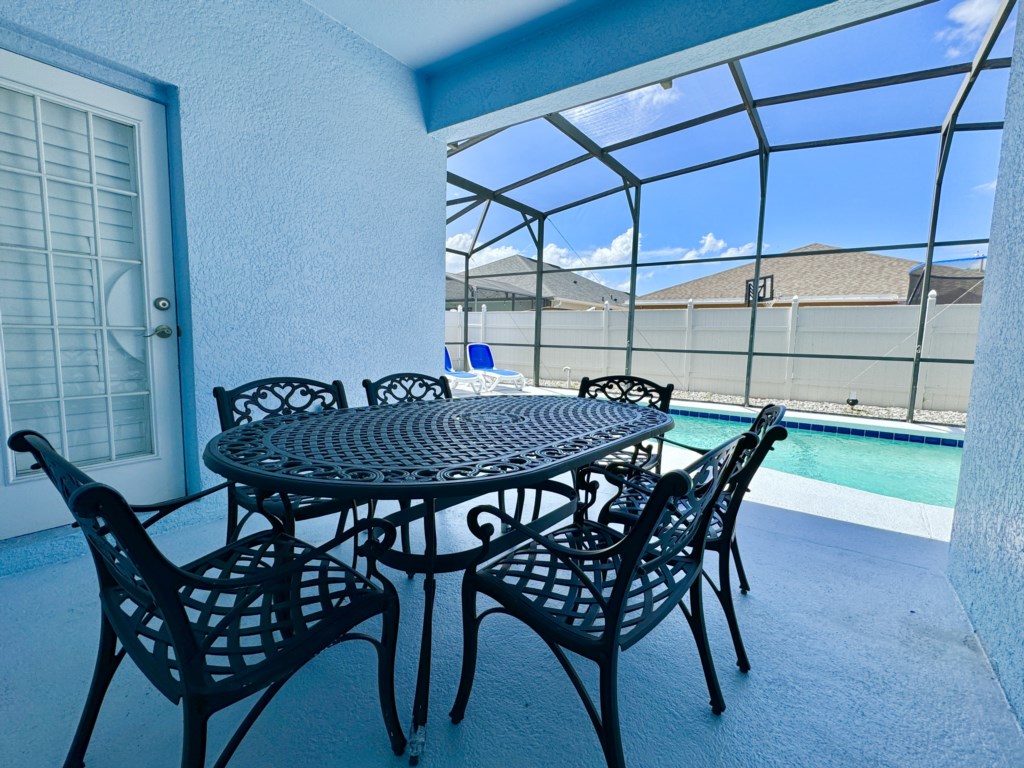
72 283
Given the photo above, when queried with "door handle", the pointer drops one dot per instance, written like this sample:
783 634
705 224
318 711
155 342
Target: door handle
161 332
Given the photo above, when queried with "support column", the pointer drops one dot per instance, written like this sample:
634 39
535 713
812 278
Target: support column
986 555
763 165
634 209
688 341
538 306
794 313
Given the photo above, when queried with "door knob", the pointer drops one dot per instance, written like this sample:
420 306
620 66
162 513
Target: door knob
161 332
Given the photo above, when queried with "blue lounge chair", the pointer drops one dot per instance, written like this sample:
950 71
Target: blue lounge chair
482 361
474 380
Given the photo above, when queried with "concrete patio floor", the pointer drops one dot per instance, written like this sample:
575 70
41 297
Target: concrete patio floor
861 654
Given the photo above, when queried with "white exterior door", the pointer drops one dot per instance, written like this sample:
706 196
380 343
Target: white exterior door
85 279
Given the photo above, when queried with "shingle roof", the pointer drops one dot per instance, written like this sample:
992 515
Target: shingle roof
485 286
833 274
558 283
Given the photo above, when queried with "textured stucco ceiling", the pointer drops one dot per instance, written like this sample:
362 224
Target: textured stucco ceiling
419 33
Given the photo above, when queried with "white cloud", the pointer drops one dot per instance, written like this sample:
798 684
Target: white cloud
747 249
710 244
988 186
454 262
556 254
970 19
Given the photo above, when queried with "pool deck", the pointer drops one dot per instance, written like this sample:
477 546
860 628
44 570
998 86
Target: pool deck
861 653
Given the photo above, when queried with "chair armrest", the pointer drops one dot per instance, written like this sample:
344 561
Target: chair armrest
693 448
164 508
485 531
624 476
567 555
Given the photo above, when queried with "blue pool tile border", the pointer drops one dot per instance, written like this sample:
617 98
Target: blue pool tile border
831 429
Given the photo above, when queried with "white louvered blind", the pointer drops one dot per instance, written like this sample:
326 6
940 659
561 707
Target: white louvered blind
72 285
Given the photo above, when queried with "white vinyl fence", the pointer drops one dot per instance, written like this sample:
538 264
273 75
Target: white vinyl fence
879 331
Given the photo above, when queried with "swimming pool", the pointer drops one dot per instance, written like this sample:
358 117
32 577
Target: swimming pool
906 470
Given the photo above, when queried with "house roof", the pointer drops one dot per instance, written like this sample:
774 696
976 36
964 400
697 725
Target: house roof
485 287
861 274
558 283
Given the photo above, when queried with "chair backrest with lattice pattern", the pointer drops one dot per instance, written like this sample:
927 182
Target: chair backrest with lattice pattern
258 399
406 388
664 550
628 389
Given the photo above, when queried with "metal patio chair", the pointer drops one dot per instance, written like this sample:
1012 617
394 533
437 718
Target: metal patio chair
631 389
406 388
591 590
766 419
256 400
636 485
235 622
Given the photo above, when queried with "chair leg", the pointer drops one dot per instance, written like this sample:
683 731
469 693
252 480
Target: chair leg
232 532
193 748
724 593
611 735
107 661
406 540
386 678
695 618
343 519
744 586
470 639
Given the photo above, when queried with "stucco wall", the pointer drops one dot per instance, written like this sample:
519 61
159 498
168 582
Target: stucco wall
987 549
313 198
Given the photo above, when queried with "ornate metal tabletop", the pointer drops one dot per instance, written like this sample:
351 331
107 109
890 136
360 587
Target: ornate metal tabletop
435 449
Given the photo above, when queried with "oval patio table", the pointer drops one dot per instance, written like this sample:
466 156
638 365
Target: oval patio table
439 452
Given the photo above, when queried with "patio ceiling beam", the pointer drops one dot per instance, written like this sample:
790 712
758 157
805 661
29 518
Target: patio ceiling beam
748 104
987 43
457 146
542 174
505 234
592 148
461 200
482 191
703 166
931 130
589 199
691 123
463 211
878 82
476 232
945 144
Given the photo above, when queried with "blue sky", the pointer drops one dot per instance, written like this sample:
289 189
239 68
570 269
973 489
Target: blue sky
848 196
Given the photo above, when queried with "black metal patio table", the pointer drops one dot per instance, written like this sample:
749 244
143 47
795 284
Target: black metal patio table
440 453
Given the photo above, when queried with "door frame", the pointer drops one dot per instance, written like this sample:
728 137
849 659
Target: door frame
52 53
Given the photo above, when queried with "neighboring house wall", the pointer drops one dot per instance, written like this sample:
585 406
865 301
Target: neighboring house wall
870 331
986 562
314 199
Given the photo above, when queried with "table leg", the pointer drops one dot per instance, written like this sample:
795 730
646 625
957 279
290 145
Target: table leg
421 702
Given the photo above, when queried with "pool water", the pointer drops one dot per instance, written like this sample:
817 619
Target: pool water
911 471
